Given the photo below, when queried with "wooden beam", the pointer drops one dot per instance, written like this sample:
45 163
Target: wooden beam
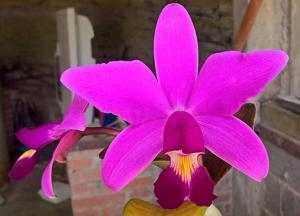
247 24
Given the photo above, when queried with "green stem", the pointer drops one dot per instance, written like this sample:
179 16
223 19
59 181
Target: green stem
100 130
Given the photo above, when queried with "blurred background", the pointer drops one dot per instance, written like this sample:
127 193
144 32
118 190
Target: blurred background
41 38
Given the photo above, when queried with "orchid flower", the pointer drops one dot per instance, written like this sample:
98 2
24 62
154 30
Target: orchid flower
180 113
67 131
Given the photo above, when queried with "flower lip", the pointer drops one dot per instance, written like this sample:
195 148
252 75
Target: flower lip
182 132
184 179
184 165
24 165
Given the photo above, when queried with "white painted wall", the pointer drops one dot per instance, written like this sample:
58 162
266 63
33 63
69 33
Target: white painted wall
74 34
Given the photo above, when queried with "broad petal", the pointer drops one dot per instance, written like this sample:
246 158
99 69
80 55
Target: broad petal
24 166
130 152
228 79
236 143
176 53
170 190
126 89
74 118
182 132
37 138
68 140
202 187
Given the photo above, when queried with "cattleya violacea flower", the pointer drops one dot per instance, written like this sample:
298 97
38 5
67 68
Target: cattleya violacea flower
180 113
67 131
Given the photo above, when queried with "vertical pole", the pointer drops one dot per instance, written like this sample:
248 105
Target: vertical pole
4 160
247 24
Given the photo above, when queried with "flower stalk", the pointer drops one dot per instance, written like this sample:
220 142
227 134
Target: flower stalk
100 130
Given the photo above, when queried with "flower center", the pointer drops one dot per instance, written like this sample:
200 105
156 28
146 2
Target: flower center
184 165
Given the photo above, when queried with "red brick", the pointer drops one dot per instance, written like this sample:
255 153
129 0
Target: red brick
140 181
80 164
141 192
89 212
114 210
101 200
85 189
146 172
81 176
104 189
84 154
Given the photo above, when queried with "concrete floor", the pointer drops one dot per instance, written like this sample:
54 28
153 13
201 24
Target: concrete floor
22 197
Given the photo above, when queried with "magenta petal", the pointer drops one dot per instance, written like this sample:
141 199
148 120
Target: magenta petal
236 143
176 53
24 165
68 140
182 132
47 186
170 190
228 79
131 152
202 187
74 118
36 138
126 89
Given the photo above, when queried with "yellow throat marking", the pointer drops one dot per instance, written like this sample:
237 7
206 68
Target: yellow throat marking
184 165
29 153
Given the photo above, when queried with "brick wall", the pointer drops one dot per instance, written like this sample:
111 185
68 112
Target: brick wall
90 196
